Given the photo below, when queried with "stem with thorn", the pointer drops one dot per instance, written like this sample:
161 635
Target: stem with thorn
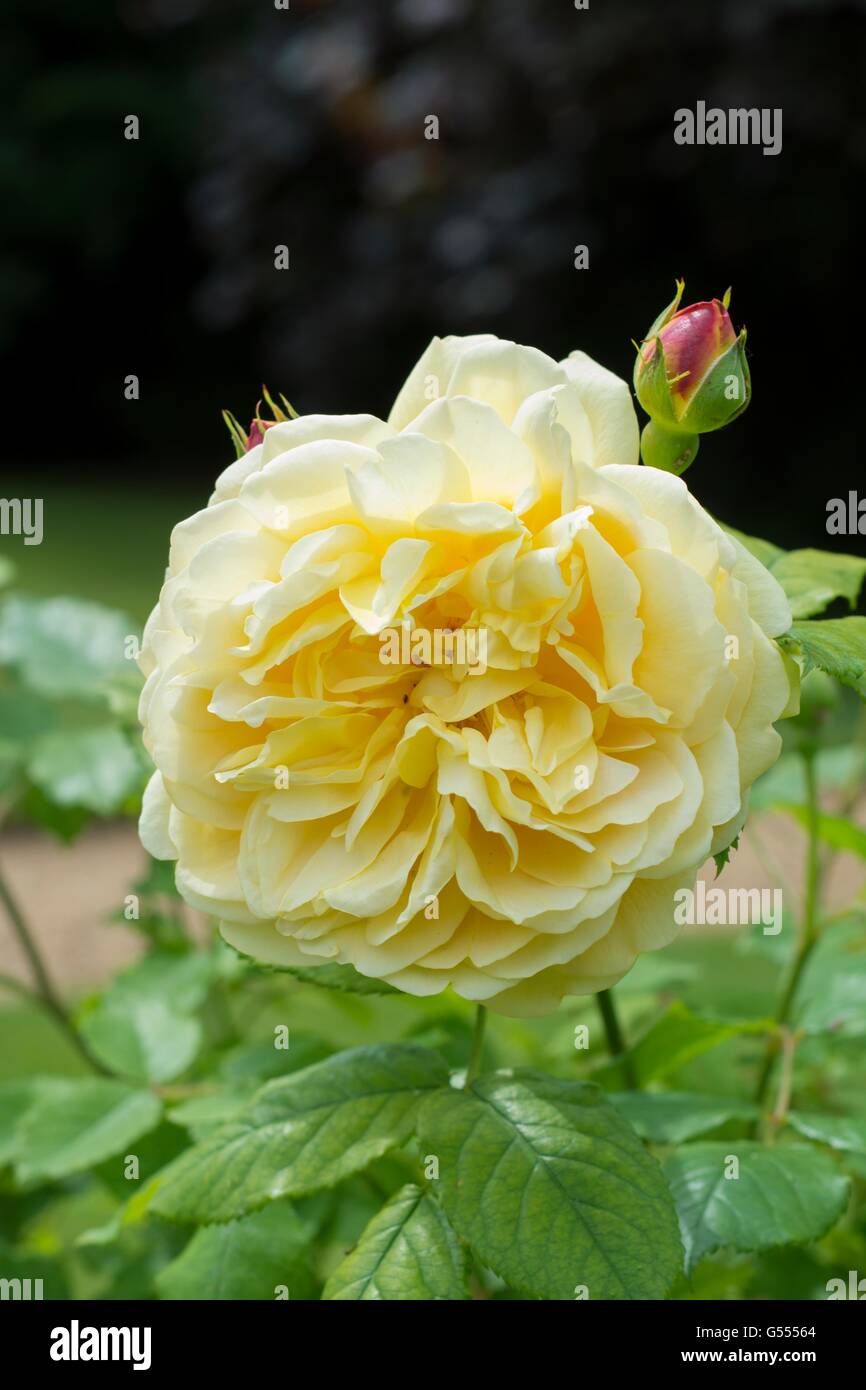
809 929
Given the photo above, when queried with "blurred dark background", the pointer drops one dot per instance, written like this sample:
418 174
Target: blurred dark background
305 127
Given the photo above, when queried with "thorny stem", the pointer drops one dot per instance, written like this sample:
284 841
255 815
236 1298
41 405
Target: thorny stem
615 1040
477 1044
786 1081
45 991
809 928
813 867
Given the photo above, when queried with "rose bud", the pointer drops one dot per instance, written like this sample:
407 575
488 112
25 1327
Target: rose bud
690 376
244 441
255 435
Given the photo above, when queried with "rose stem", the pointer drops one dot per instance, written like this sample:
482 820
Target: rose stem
808 935
615 1040
45 991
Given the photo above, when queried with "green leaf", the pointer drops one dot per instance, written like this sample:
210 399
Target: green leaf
24 716
258 1062
837 831
844 1132
722 859
64 647
145 1041
17 1098
143 1025
93 768
834 645
244 1259
831 995
551 1187
407 1252
154 1150
75 1124
303 1132
671 1117
30 1264
812 579
201 1115
180 980
783 1194
64 1216
64 821
342 977
676 1038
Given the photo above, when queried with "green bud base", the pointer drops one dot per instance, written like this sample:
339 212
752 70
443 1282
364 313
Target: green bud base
668 449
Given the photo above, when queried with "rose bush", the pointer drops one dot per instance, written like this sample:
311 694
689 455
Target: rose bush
516 835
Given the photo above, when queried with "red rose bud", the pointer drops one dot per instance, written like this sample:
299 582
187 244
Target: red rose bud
255 435
690 376
246 440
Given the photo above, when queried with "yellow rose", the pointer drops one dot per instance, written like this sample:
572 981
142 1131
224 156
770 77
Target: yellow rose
514 831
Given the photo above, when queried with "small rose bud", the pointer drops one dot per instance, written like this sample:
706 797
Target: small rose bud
255 434
690 376
246 440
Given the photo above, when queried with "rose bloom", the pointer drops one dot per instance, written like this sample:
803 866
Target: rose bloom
516 834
